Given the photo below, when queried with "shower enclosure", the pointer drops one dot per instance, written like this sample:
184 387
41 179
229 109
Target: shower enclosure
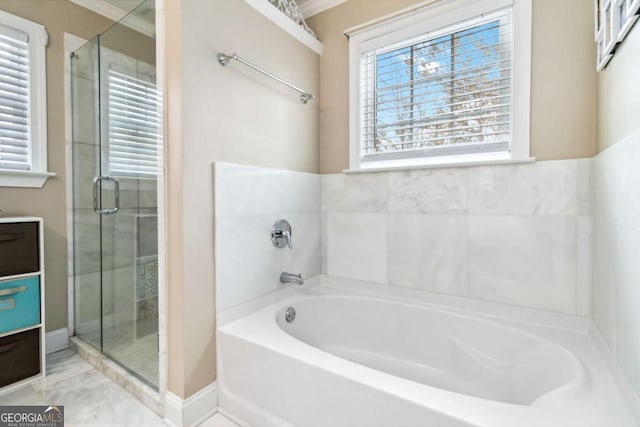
117 163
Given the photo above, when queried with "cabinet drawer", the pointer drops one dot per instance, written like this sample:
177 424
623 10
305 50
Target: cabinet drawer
19 303
19 252
19 356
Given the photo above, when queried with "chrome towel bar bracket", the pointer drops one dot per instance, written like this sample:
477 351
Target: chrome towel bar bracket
224 60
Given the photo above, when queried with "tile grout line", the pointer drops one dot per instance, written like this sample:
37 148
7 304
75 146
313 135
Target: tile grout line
467 238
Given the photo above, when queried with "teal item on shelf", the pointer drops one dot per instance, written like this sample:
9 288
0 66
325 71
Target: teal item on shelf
19 303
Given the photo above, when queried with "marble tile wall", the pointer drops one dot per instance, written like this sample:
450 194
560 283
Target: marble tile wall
516 234
616 228
248 201
112 290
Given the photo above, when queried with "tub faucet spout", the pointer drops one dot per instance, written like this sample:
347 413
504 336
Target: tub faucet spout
291 278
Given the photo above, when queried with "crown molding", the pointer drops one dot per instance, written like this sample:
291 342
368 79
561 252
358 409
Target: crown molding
106 9
313 7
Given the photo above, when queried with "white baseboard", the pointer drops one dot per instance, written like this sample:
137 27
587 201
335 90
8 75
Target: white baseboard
57 340
193 410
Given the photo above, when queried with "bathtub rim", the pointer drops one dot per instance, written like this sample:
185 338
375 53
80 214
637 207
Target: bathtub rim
472 306
530 319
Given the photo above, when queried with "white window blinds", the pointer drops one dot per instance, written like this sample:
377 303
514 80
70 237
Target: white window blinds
14 100
134 126
443 93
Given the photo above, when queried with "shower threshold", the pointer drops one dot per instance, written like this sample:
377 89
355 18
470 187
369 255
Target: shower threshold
122 376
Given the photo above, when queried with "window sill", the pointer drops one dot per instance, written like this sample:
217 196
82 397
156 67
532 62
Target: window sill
24 179
440 165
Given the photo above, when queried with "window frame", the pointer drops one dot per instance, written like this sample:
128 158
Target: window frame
433 19
37 175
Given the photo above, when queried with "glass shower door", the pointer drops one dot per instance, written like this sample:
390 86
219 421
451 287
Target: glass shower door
116 150
130 135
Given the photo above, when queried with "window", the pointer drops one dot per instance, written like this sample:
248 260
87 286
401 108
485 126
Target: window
23 103
449 83
134 126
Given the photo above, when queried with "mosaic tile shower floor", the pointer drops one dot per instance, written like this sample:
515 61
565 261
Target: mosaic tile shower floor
137 354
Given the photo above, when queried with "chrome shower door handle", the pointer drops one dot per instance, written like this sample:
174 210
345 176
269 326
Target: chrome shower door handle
116 195
97 207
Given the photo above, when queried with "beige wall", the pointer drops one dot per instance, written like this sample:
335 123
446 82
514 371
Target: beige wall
563 80
130 42
49 202
563 77
619 93
230 114
170 73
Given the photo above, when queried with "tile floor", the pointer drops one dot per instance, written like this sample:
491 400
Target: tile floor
90 398
219 420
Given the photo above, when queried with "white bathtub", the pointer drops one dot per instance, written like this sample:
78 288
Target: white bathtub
366 355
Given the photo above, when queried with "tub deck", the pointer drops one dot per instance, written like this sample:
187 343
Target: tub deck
306 373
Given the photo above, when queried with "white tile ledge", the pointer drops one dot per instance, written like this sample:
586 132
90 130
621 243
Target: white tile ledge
24 179
443 165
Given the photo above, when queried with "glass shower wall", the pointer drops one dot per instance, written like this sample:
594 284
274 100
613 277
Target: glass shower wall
120 237
85 80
